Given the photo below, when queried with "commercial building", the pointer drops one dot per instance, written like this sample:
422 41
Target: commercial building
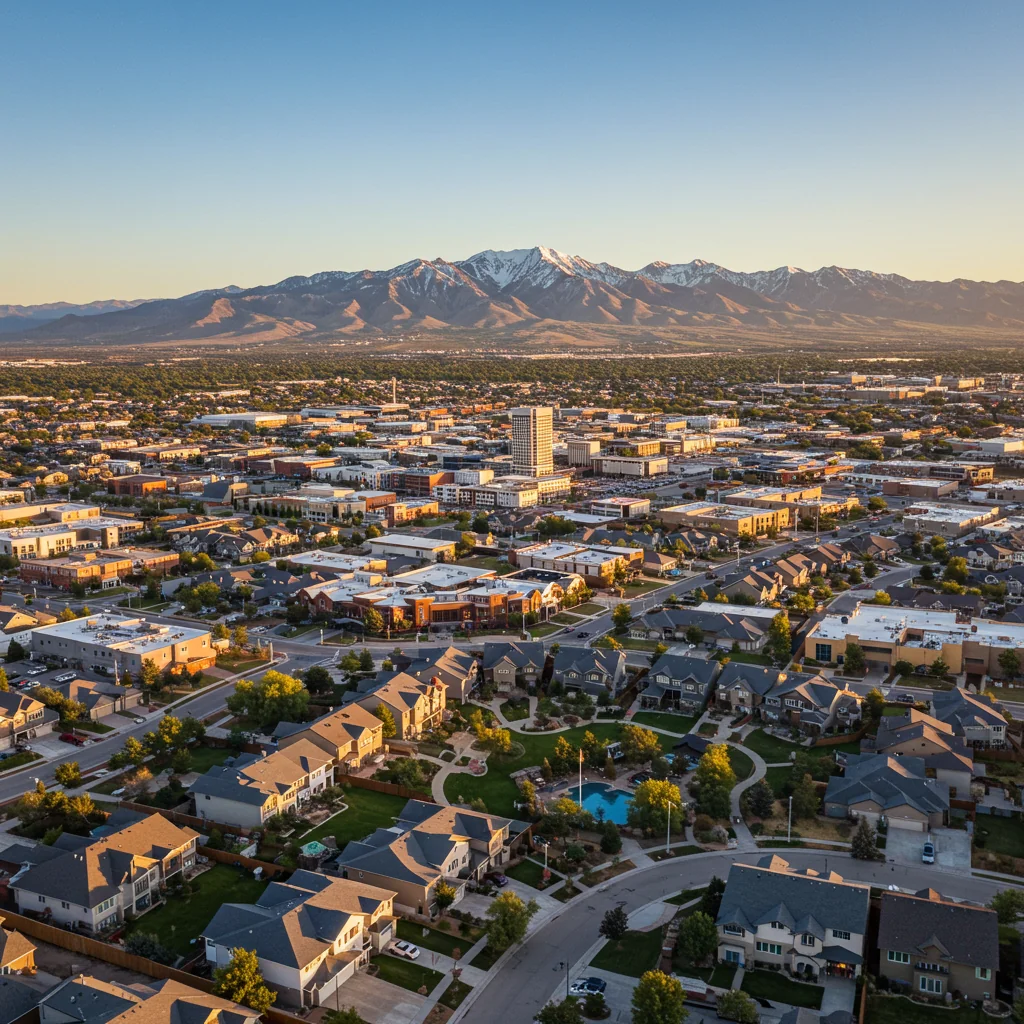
582 450
532 451
244 420
734 520
107 568
621 508
933 519
114 644
424 548
597 564
799 501
137 485
49 539
630 465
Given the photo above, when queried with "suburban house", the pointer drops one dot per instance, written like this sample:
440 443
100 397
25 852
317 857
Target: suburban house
23 718
919 597
416 706
931 946
808 923
873 545
946 756
680 682
102 698
975 717
16 952
311 934
746 629
758 586
811 704
896 789
593 670
742 687
514 664
92 884
458 670
248 789
82 999
351 735
426 844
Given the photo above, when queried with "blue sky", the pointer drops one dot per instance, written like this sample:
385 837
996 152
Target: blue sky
155 149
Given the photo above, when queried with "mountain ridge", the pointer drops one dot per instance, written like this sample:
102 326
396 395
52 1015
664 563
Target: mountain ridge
523 289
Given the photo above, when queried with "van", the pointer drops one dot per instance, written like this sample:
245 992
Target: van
64 677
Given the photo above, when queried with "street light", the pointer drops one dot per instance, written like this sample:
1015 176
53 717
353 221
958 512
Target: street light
668 827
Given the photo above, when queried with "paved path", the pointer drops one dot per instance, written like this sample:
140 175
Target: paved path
744 838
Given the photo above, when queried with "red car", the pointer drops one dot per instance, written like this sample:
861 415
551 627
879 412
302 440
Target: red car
70 737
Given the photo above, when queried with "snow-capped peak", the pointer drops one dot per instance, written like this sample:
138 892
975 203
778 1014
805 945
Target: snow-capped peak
539 266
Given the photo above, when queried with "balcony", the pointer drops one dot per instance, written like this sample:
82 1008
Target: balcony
930 968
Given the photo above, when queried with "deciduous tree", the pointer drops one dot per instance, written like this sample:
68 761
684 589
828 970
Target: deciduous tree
659 999
241 981
507 919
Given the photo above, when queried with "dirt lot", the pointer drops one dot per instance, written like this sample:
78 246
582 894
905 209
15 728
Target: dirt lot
62 963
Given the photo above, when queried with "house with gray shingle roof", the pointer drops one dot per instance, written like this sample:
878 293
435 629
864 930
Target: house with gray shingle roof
680 682
775 916
311 934
594 670
930 946
514 663
810 703
976 717
896 788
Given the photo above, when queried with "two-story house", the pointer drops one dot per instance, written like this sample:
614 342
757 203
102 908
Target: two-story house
680 682
351 735
807 923
930 946
812 704
415 705
742 687
311 934
757 585
92 884
458 670
517 664
23 718
593 670
426 844
248 789
975 717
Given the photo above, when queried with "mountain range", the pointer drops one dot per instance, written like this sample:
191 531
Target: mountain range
519 290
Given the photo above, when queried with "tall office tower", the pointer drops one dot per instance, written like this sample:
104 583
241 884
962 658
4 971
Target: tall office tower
531 441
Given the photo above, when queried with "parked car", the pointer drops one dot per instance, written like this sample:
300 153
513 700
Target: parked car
64 677
928 852
35 671
404 949
582 636
70 737
586 986
497 878
906 698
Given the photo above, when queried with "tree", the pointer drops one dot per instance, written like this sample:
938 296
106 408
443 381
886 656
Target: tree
274 698
383 712
1008 905
639 744
15 652
761 799
805 798
780 639
653 801
874 703
1009 662
881 597
66 615
133 752
865 841
956 570
698 938
528 795
877 504
138 782
69 775
149 675
373 621
365 660
802 603
4 684
614 924
181 762
711 901
239 637
694 634
737 1005
853 659
565 1012
221 632
714 779
318 679
507 920
659 999
240 981
903 667
938 667
621 616
444 895
148 945
347 1016
611 840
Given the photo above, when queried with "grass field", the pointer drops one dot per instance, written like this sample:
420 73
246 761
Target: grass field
366 812
177 923
405 973
643 587
777 779
633 954
590 608
773 985
566 619
664 720
498 565
496 789
544 629
438 941
528 872
896 1010
1000 835
742 765
686 895
771 748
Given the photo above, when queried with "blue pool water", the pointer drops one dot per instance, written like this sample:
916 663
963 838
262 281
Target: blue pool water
603 802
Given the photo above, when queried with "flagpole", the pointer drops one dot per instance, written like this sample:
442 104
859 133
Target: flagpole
581 776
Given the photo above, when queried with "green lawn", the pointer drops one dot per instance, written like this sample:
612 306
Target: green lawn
686 895
742 765
664 720
629 643
367 811
485 959
749 658
771 748
454 994
777 779
643 587
566 619
895 1010
633 954
234 665
590 608
496 789
544 629
87 725
19 760
775 985
500 566
528 872
177 923
1000 835
438 941
850 747
515 711
406 973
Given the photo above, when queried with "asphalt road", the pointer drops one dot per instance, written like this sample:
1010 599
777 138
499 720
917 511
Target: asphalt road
529 976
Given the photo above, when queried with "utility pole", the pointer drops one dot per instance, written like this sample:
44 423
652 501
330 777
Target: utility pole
789 825
668 828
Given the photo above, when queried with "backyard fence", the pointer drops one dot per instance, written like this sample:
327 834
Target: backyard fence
835 741
386 787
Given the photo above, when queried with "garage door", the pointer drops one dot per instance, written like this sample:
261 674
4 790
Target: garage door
906 824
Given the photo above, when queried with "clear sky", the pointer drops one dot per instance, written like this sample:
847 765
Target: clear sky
152 149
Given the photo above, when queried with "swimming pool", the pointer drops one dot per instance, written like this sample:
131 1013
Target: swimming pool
603 801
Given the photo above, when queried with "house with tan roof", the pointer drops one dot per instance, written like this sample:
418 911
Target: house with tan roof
311 934
16 952
416 705
426 844
350 734
23 717
94 883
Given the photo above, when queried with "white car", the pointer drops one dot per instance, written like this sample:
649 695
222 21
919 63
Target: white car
406 950
64 677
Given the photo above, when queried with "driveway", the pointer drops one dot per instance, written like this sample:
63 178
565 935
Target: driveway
376 1001
952 848
839 995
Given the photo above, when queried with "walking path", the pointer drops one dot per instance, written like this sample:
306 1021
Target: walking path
744 837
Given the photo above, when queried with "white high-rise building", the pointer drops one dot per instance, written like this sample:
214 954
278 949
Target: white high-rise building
531 441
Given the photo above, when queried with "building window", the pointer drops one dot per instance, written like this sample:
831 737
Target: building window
836 934
896 957
732 956
770 947
806 940
983 973
931 985
732 929
823 652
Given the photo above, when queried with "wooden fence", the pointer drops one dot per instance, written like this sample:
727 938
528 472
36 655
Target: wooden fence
847 737
75 942
386 787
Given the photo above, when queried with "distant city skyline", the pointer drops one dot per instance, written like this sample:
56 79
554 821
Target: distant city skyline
151 152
